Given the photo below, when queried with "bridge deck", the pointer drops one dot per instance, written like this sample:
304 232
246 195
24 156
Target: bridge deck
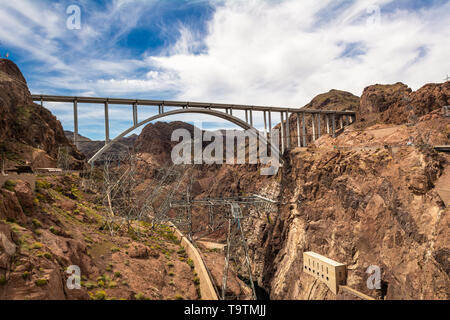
141 102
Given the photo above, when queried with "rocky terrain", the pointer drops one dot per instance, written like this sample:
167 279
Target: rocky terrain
90 147
28 132
376 194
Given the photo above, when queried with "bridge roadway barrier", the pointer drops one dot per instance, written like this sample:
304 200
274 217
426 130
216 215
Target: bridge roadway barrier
206 285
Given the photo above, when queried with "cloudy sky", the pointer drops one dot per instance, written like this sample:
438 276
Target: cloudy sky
265 52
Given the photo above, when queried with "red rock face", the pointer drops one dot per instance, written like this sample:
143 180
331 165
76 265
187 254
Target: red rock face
397 104
24 124
155 141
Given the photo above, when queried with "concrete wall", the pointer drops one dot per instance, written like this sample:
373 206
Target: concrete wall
206 287
325 272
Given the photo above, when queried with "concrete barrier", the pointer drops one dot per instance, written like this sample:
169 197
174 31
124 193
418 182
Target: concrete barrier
206 286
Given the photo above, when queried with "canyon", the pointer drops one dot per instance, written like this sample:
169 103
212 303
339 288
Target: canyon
374 195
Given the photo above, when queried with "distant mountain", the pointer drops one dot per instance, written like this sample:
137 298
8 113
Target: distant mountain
89 147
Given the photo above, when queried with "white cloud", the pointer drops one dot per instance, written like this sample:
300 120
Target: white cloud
272 53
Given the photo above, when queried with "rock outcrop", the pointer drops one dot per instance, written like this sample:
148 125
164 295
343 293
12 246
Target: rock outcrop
398 104
27 128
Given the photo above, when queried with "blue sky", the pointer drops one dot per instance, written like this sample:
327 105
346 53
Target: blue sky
261 52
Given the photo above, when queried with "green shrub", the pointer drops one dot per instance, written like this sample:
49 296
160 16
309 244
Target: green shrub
100 295
3 280
140 296
26 275
170 264
113 284
36 223
196 281
41 282
190 263
117 274
178 297
42 184
9 185
37 245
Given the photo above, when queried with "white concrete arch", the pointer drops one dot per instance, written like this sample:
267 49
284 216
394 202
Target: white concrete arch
218 114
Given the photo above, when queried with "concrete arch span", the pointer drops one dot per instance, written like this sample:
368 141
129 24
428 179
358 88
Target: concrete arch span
222 115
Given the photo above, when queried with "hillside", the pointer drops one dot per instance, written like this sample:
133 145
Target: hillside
28 132
90 147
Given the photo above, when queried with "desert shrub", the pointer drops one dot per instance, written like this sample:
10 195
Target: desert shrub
36 223
9 185
41 282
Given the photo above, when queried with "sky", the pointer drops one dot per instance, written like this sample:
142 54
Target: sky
257 52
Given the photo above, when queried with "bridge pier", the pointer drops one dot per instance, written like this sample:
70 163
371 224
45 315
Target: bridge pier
328 123
304 129
106 122
135 115
313 115
282 132
333 118
299 143
318 126
288 132
75 122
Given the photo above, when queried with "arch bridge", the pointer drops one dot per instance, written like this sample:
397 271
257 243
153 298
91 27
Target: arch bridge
333 119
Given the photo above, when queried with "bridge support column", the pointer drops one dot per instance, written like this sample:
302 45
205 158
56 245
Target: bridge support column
270 125
251 118
135 115
265 123
231 111
282 132
246 115
313 116
327 118
288 132
341 122
75 123
333 118
106 122
304 129
318 126
299 144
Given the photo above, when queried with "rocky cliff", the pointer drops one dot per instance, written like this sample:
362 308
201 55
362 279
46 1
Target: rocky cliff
28 132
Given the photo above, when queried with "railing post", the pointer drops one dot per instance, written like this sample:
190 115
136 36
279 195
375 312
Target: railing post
106 122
